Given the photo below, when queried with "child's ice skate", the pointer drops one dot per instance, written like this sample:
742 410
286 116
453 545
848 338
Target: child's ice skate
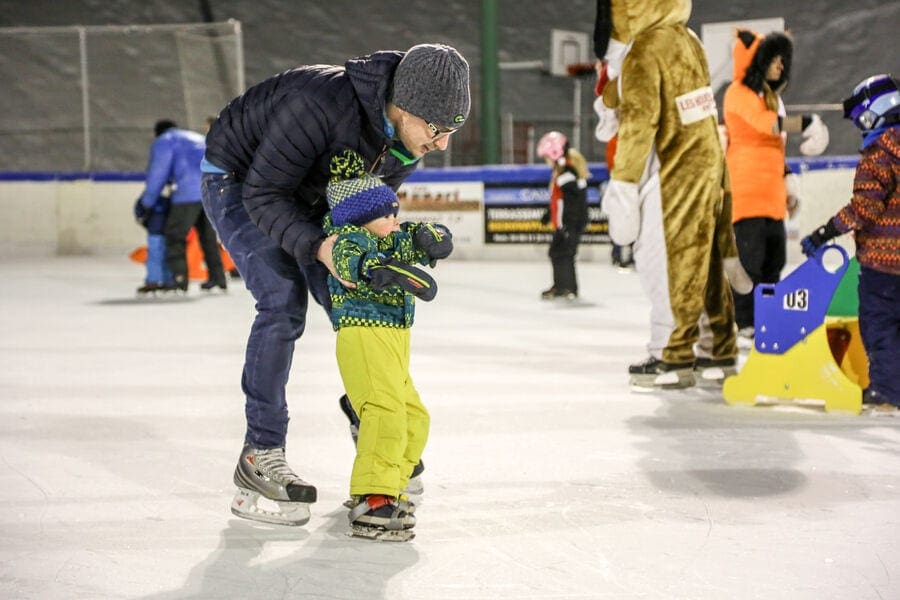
266 473
415 487
379 517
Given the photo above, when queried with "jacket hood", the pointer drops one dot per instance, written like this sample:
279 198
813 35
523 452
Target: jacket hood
371 77
752 54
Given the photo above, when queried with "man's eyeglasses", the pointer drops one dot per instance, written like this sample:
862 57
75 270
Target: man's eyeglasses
438 133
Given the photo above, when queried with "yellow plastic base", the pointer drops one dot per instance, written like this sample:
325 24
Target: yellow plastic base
855 364
806 371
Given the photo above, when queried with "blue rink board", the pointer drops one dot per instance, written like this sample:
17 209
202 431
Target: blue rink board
490 175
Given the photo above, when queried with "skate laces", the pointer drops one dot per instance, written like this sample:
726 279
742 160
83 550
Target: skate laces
648 362
273 463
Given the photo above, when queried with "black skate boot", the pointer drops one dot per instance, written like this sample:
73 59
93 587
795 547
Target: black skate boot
554 293
656 374
878 403
180 284
150 288
713 371
210 284
623 258
379 517
347 408
549 294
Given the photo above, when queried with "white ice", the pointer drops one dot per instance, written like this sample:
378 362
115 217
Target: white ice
121 421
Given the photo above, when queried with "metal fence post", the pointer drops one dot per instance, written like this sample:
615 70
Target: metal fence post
85 96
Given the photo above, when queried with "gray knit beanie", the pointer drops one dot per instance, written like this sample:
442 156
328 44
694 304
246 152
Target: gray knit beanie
432 82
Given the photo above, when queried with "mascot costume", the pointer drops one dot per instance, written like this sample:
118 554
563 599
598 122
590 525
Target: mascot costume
668 190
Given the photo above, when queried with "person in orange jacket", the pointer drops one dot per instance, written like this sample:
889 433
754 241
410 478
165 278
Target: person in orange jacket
764 191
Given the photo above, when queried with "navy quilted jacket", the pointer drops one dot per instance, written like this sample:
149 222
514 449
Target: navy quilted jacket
280 135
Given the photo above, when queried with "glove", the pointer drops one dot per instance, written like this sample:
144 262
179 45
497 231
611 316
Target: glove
545 218
622 206
723 137
607 121
815 136
141 214
792 185
435 240
811 243
392 272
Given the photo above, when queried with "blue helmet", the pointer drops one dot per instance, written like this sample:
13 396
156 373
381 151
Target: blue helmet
875 102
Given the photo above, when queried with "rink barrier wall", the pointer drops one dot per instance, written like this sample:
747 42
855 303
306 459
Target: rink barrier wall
91 213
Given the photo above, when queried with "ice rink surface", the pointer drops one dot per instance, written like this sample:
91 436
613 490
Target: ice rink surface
121 421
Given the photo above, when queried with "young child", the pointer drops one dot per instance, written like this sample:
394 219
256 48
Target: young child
568 212
373 307
873 214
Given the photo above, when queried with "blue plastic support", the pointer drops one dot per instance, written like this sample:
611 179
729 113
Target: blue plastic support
790 310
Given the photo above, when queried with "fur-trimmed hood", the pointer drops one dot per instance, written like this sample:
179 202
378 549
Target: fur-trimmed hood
753 53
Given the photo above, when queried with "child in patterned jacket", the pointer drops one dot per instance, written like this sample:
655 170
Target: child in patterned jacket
373 305
873 215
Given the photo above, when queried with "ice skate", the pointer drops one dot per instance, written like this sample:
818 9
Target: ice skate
150 289
208 286
415 486
548 294
348 411
713 371
179 285
877 405
266 474
623 258
556 293
379 517
656 374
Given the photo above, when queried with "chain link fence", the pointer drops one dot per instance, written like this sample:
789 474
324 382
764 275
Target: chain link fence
86 98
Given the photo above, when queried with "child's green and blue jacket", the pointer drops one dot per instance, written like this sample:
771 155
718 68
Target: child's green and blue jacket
355 252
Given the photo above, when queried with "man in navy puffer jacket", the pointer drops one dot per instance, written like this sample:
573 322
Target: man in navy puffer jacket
266 168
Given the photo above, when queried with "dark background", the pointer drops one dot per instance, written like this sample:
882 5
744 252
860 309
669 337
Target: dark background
837 43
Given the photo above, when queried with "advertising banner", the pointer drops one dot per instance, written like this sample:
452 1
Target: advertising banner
454 204
512 215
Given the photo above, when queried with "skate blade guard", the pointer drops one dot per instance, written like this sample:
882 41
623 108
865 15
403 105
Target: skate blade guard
246 504
713 377
671 380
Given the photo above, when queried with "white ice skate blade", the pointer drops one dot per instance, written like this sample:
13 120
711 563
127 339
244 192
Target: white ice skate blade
245 504
664 381
381 535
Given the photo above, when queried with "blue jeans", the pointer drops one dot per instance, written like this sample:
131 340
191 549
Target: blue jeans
879 324
281 288
156 260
